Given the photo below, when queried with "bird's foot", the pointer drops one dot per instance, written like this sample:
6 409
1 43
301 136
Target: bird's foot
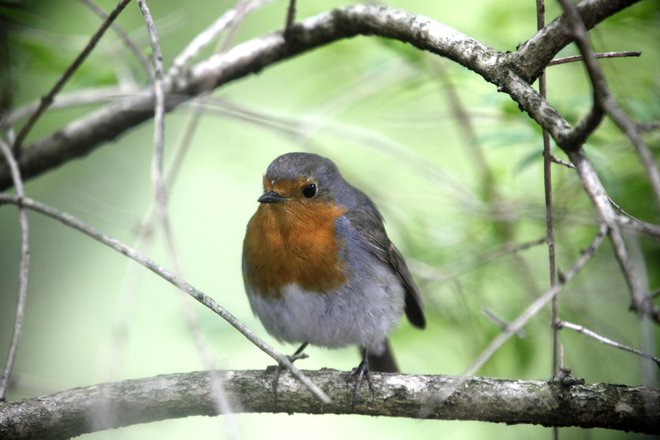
358 374
281 367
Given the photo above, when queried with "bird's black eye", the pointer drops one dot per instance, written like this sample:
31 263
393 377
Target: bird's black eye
309 191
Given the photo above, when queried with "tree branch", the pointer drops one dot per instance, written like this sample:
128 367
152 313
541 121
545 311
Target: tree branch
537 52
168 276
641 303
47 100
73 412
605 102
85 134
23 270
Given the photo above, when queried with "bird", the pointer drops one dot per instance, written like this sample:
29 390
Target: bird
319 268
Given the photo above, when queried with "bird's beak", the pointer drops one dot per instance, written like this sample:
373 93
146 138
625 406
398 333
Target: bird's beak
271 197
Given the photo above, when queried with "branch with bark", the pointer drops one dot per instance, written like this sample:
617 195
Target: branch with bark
112 405
563 403
511 72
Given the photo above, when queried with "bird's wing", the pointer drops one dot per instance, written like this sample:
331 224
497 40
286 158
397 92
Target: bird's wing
368 221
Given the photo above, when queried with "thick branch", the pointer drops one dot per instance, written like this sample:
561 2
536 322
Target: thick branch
84 135
537 52
81 410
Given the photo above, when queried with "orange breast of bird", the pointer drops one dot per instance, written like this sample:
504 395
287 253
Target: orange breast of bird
296 243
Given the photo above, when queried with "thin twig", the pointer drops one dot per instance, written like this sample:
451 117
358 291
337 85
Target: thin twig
75 98
557 160
575 58
47 100
585 331
487 184
633 224
300 128
204 38
501 323
640 302
86 133
536 306
23 271
290 17
432 274
219 393
515 326
604 98
168 276
623 211
125 38
192 321
488 189
648 126
549 216
159 112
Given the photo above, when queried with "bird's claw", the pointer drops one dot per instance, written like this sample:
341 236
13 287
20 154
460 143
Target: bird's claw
358 374
281 367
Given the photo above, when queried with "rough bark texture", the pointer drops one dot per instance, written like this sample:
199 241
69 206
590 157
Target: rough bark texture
74 412
509 71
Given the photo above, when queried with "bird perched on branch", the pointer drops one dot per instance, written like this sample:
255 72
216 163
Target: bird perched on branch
319 267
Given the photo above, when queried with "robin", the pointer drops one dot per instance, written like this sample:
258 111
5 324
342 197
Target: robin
319 268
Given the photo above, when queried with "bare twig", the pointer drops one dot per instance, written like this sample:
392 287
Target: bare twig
23 270
537 52
575 58
125 38
47 100
594 188
633 224
159 113
557 160
290 17
536 306
96 95
168 276
585 331
501 323
83 135
299 128
549 217
487 184
441 397
629 220
432 273
648 126
161 204
204 38
141 244
230 21
604 99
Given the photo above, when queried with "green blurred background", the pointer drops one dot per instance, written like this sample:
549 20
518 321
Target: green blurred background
381 111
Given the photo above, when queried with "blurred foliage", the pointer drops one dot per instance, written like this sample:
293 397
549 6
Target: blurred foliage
379 110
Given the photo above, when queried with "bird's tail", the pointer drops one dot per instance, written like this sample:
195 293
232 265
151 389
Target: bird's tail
385 362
